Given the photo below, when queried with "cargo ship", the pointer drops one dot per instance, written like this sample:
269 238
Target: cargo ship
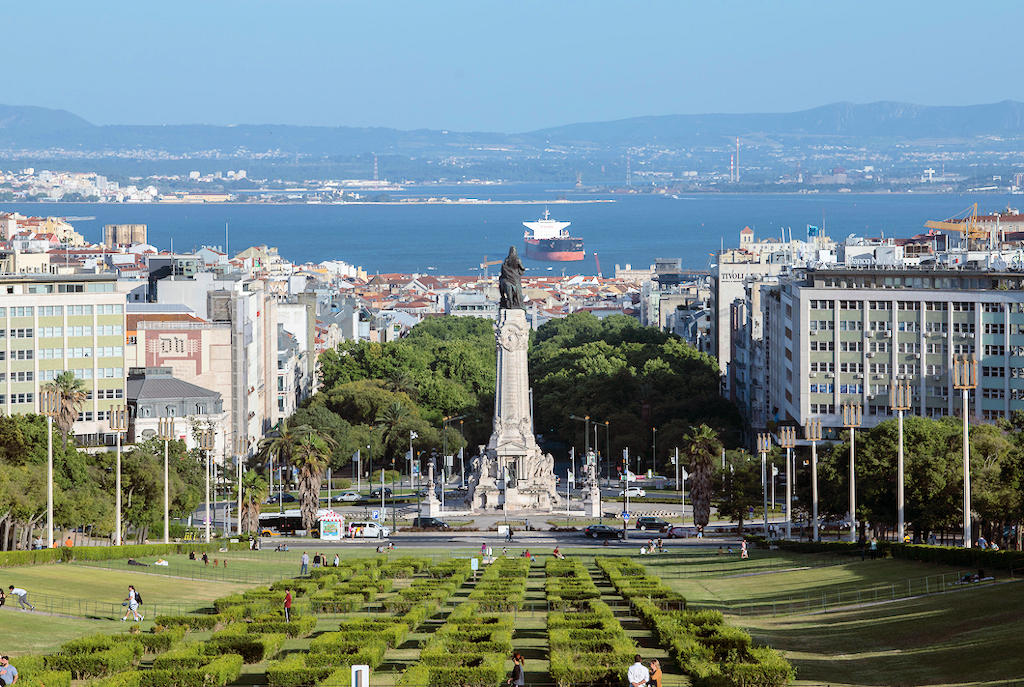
548 239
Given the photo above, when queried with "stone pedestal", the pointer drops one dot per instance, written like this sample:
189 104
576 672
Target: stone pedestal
511 473
433 503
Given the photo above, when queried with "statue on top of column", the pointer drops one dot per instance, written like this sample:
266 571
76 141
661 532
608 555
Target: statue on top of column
510 285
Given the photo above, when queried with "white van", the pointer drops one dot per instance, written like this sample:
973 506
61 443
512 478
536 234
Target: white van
368 530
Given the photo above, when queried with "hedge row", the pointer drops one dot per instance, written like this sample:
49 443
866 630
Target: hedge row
587 644
711 652
502 586
95 656
954 556
469 650
568 583
106 553
443 579
632 582
215 673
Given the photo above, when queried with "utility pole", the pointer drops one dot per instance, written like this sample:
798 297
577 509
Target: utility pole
625 489
851 420
50 401
118 423
965 378
654 450
239 506
900 401
165 431
812 432
787 440
764 445
206 443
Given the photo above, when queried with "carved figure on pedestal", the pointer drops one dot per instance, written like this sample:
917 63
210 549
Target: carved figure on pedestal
510 282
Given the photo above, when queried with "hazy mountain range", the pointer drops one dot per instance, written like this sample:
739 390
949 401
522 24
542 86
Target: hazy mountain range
23 127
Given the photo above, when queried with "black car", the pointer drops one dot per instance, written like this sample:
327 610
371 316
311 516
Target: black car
651 523
429 523
375 493
282 498
602 532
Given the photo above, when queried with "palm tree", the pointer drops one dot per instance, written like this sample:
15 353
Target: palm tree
393 420
71 396
278 445
701 446
310 453
254 492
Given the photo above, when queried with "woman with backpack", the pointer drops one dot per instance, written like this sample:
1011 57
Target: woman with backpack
132 601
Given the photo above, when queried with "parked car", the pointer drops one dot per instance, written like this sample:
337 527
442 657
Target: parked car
349 496
677 532
648 522
282 498
368 530
429 523
633 492
602 532
375 492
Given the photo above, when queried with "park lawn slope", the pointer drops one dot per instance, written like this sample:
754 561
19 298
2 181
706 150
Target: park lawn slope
32 633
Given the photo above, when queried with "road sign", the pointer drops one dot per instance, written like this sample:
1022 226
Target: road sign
685 474
375 515
625 515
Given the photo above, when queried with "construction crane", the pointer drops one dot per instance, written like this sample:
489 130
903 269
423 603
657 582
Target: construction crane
598 261
487 263
965 222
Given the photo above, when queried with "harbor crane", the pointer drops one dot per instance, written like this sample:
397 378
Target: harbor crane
965 222
487 263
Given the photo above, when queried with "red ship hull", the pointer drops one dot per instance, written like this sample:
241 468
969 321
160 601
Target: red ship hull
536 250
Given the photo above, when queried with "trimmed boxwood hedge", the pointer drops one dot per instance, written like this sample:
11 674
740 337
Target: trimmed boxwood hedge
108 553
85 664
217 673
252 647
298 627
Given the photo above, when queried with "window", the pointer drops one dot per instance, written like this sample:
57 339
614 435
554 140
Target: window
109 351
879 368
992 393
79 310
133 340
70 288
963 327
820 325
989 414
109 309
850 325
82 373
909 305
851 368
879 389
48 375
51 310
935 327
938 390
995 328
935 348
993 371
200 409
821 305
993 307
937 307
935 369
85 416
995 349
172 344
822 409
22 398
908 326
881 305
51 353
21 311
109 372
907 347
821 388
850 346
22 333
816 366
906 369
22 354
963 349
879 347
109 330
1015 395
822 346
851 388
109 393
27 376
851 305
80 331
51 332
963 307
880 326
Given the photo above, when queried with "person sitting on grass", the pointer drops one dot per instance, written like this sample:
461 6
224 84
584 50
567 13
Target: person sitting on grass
8 673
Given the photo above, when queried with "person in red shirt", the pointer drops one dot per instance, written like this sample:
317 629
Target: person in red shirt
288 605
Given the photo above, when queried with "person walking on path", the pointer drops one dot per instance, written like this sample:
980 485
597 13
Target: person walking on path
22 595
288 605
874 548
743 550
638 675
133 600
656 672
518 677
337 560
304 570
8 673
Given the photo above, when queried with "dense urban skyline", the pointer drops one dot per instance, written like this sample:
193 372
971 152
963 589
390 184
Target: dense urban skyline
465 66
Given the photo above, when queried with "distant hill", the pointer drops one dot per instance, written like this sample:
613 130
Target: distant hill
37 127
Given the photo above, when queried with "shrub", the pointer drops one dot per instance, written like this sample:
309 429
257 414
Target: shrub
47 678
293 672
96 663
217 673
253 648
298 627
209 621
129 678
186 656
157 642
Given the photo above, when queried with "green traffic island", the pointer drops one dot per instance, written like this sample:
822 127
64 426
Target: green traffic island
711 652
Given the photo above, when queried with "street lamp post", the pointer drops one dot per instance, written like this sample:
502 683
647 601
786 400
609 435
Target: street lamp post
118 423
206 445
965 378
49 400
787 440
852 413
412 435
764 445
812 432
900 402
608 453
654 450
165 431
238 529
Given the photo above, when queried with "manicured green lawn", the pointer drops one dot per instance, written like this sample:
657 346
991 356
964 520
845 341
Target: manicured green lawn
25 633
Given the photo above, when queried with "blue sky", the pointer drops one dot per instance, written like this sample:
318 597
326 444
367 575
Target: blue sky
502 66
